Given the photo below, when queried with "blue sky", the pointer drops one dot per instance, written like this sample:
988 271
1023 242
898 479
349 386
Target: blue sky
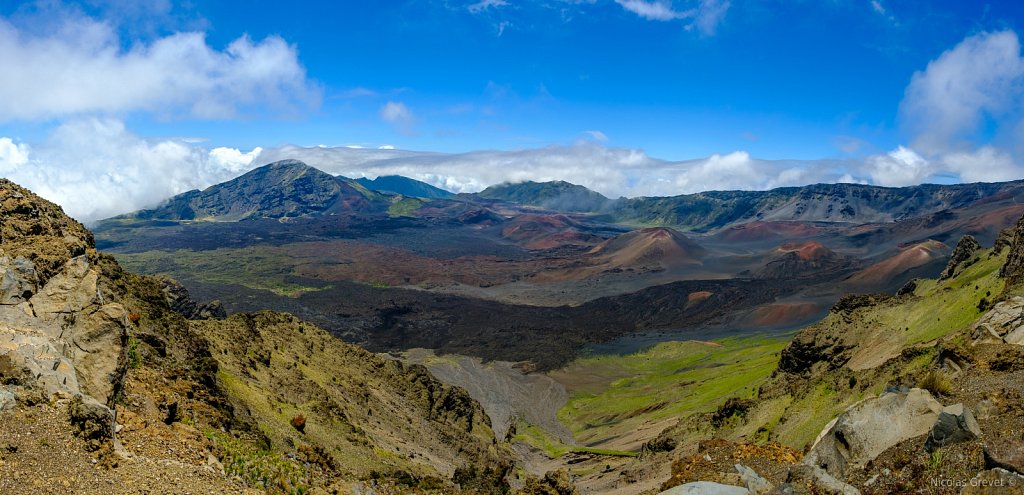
841 89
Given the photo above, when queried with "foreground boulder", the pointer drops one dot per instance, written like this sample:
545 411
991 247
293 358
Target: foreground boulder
706 488
871 426
955 424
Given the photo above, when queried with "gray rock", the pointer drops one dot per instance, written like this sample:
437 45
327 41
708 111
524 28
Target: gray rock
94 421
18 280
783 489
756 484
1003 323
801 474
871 426
7 400
955 424
1015 337
706 488
64 338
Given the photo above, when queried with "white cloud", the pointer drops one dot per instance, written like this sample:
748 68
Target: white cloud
80 67
878 7
233 159
612 171
95 168
12 155
709 15
986 164
483 5
980 78
705 17
899 167
657 10
598 136
396 113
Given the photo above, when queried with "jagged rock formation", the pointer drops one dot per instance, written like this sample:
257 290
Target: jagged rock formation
57 332
1013 269
963 255
1003 323
182 303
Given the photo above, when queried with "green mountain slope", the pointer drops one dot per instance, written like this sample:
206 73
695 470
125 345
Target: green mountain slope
396 184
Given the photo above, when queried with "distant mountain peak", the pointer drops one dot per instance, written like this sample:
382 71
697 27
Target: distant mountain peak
554 195
397 184
282 189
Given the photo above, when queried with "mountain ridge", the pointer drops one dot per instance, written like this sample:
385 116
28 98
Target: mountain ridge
405 186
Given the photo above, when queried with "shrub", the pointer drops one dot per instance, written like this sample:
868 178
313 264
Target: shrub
299 423
936 382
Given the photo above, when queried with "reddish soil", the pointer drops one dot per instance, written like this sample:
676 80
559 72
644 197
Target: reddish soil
807 251
908 258
760 231
783 314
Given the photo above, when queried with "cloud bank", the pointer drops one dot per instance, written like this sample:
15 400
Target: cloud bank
95 168
964 114
81 67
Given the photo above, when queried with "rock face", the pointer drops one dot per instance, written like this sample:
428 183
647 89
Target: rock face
870 427
181 302
1013 269
57 333
955 424
1004 323
963 256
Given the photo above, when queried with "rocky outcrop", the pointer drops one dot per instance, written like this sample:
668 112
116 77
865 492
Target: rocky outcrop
871 426
706 488
179 299
68 338
963 256
1013 269
1004 323
58 333
955 424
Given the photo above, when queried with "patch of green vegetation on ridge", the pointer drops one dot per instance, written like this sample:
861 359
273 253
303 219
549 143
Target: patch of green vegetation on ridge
258 267
948 305
405 207
670 380
938 309
537 437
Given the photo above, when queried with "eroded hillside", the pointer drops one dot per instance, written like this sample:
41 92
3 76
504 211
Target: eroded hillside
106 388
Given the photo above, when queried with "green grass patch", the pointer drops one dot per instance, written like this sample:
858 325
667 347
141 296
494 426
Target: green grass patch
537 437
405 207
670 380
